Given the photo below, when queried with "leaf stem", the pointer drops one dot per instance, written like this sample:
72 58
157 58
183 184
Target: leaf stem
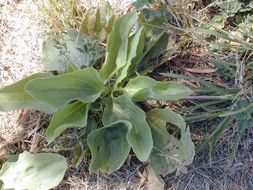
225 97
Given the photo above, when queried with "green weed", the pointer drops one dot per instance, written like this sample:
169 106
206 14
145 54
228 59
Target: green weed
104 103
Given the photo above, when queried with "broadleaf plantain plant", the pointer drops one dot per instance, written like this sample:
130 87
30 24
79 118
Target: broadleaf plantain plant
117 88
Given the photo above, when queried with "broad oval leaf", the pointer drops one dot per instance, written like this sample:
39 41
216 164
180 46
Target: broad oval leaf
74 48
40 171
117 45
81 50
71 115
52 58
163 116
169 153
14 97
139 136
84 85
109 147
144 88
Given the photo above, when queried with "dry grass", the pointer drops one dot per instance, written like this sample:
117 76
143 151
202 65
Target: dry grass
217 173
128 177
21 36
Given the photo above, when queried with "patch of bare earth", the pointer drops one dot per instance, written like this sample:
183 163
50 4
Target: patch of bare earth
21 38
215 171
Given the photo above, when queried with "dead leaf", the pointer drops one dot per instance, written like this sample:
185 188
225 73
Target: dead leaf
154 182
24 116
200 70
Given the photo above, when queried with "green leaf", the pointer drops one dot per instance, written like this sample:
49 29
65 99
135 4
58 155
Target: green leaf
74 48
71 115
231 7
71 68
84 85
164 45
243 125
52 58
107 16
33 171
169 152
134 56
79 154
14 97
1 185
251 4
139 136
98 22
217 21
213 138
162 116
81 50
139 4
91 25
109 147
156 18
117 45
144 88
157 41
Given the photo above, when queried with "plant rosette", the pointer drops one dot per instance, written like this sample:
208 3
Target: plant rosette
117 88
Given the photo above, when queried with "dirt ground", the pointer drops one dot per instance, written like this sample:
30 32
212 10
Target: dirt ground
21 37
